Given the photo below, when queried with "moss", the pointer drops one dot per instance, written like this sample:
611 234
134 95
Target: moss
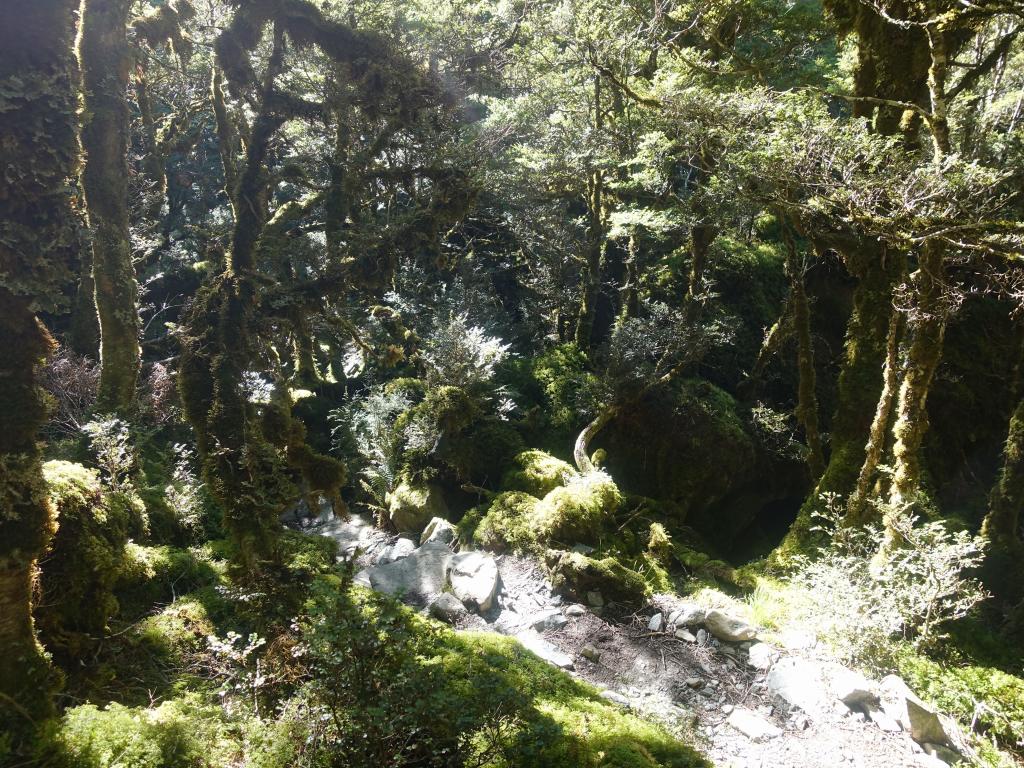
577 511
157 574
85 560
659 543
308 554
481 453
182 733
507 524
574 575
412 505
537 473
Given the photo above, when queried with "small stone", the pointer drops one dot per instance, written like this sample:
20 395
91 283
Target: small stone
762 656
590 653
689 615
702 637
727 709
582 549
655 623
575 610
753 726
694 682
595 599
686 635
549 619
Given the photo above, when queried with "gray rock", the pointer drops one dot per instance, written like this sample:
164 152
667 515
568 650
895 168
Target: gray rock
545 650
590 653
655 622
474 578
882 720
616 697
939 752
694 682
552 618
400 548
582 549
920 720
687 615
439 529
447 607
685 634
752 725
851 688
797 683
728 628
762 656
363 578
702 637
575 610
417 577
595 599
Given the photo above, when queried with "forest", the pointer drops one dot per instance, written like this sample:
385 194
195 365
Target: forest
511 383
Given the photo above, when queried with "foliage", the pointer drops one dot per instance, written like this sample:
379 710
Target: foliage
861 598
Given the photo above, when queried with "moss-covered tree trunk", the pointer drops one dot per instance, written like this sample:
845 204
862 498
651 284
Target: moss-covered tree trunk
595 239
927 328
105 60
38 238
858 510
1002 523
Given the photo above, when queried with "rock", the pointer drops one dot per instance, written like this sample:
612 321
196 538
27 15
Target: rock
685 634
417 577
474 579
797 640
920 720
575 610
439 529
752 725
363 578
687 615
655 623
851 688
798 683
694 682
939 752
616 697
411 506
400 548
595 599
702 637
583 549
727 709
762 656
882 720
545 650
549 619
447 607
590 653
728 628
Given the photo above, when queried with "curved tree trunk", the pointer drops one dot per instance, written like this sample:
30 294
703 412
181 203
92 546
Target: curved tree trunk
105 59
38 237
581 450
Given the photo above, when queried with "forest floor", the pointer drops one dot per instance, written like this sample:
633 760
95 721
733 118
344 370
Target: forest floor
692 686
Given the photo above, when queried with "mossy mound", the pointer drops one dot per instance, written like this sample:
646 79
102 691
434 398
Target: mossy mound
412 505
575 512
181 733
86 558
574 575
537 473
158 574
507 524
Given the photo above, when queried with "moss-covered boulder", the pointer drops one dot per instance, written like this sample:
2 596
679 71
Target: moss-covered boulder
537 473
85 560
574 575
412 505
575 512
508 523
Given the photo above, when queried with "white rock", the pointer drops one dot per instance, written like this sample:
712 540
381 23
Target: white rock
688 615
752 725
655 623
474 579
762 656
798 683
851 688
447 607
439 529
920 720
419 576
728 628
575 610
685 634
882 720
615 696
545 650
400 548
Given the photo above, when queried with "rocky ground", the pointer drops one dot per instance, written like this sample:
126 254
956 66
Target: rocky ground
706 675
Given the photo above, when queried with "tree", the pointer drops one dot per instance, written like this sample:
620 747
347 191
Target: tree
38 235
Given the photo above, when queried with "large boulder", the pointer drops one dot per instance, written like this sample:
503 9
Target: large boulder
924 724
447 607
439 529
578 577
416 578
576 511
799 684
412 506
474 579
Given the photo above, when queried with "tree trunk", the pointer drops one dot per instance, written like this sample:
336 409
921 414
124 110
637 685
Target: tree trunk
38 240
105 60
927 328
581 450
807 398
858 511
227 138
595 238
1002 523
153 166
